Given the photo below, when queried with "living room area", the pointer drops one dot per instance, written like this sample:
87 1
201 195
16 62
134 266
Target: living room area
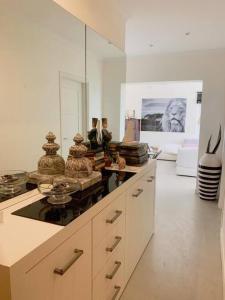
167 115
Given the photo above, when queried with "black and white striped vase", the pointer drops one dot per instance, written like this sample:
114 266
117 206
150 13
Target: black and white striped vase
209 172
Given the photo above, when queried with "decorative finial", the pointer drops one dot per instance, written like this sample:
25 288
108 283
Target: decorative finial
50 147
78 139
51 163
77 165
50 137
78 150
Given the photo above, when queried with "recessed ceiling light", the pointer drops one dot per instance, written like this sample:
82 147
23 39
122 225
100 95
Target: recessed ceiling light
187 33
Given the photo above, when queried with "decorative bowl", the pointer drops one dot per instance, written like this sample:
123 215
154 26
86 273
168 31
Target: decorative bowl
58 190
12 181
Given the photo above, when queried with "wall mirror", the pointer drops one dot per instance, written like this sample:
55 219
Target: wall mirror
56 74
105 74
42 74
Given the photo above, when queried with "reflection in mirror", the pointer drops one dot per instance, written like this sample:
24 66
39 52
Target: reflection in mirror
105 73
42 74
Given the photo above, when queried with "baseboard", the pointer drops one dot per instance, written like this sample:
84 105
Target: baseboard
222 241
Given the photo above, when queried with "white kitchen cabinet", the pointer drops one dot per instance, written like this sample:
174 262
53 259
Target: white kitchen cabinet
139 219
65 274
72 262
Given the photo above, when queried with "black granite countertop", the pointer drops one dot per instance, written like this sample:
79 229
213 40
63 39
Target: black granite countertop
81 201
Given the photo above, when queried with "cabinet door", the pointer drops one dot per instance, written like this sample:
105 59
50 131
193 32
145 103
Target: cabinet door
139 220
63 274
148 207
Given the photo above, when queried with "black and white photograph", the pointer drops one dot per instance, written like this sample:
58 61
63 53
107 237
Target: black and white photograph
163 114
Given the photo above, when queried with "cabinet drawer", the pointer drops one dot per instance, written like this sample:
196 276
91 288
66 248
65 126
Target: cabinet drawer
107 219
108 285
149 177
108 246
63 274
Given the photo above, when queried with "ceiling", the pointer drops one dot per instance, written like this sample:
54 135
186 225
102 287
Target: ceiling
173 25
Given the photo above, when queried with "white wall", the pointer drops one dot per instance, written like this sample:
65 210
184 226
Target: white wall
101 15
137 91
208 66
32 54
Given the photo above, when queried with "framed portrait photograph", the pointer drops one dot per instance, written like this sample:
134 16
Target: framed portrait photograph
163 114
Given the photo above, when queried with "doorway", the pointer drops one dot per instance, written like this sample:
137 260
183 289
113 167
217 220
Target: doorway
72 109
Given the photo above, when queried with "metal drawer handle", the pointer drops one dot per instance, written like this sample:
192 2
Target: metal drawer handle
118 239
62 271
151 178
117 266
117 288
139 191
117 214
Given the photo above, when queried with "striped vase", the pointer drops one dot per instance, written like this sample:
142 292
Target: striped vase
209 172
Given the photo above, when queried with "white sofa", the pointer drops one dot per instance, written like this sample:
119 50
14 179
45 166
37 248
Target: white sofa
187 158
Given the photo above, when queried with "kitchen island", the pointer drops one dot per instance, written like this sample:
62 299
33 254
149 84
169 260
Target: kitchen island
92 256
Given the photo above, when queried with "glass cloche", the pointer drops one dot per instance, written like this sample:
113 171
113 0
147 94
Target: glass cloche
58 190
12 181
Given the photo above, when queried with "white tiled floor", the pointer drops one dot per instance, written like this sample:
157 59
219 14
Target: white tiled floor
182 261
